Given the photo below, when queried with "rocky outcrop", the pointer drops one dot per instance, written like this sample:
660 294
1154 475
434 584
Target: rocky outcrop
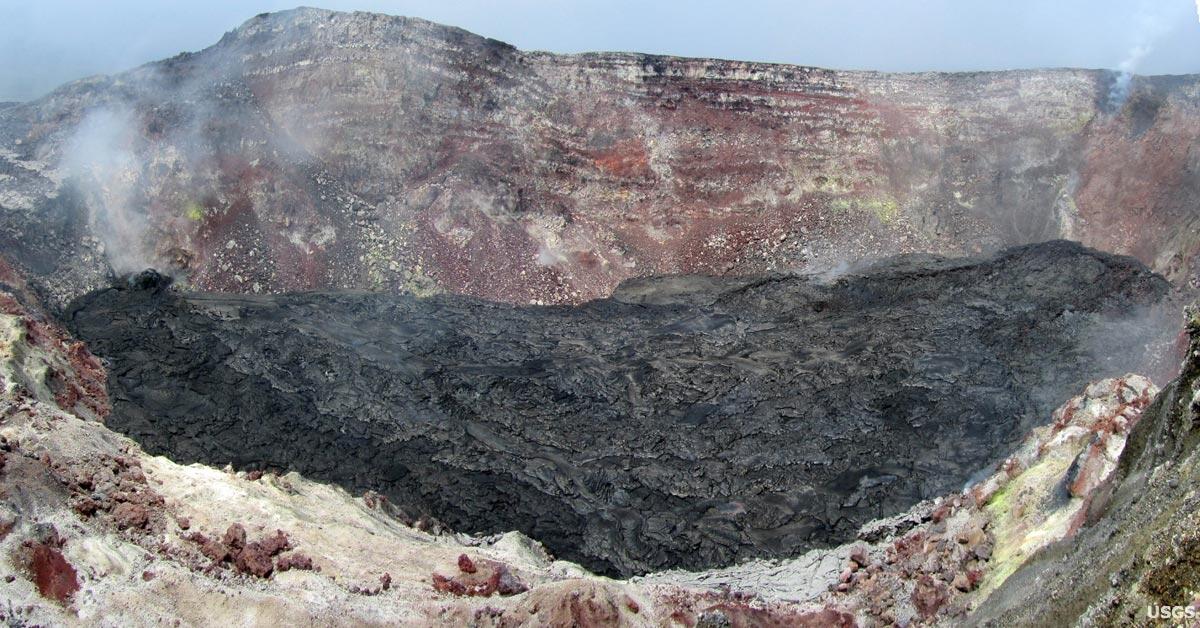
312 150
686 422
937 563
1135 561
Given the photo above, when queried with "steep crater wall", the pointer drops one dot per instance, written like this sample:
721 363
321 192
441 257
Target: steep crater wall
684 422
312 150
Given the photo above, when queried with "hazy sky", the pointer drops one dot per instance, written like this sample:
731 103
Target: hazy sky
44 43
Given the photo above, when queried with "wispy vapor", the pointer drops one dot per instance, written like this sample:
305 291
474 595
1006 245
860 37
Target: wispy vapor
1150 27
101 159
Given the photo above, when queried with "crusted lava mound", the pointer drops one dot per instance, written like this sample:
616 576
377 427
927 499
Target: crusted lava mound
684 422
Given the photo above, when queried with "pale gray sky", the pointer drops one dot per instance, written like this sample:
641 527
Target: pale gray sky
44 43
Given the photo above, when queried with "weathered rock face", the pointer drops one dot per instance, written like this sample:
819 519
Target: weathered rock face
684 422
1138 552
311 150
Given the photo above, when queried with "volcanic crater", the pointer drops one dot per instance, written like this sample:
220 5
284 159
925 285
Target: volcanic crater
655 313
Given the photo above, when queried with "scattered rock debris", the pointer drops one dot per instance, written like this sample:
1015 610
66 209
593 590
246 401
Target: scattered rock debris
481 578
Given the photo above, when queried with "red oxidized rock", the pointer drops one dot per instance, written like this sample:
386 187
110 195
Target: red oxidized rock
443 584
254 560
54 576
297 561
929 596
196 537
941 512
235 537
215 550
131 516
86 506
485 578
974 577
506 582
276 543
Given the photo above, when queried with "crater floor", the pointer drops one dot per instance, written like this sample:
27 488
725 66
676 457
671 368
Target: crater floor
684 422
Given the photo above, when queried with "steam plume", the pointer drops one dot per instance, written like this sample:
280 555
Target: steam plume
100 159
1150 28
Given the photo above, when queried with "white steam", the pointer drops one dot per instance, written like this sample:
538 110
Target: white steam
1148 29
1120 88
100 159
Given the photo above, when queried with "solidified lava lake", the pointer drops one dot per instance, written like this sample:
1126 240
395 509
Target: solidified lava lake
684 422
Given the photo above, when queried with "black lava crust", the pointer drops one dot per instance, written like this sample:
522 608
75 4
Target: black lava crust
685 422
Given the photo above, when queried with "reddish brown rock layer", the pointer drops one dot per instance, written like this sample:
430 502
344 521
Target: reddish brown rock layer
54 576
311 149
